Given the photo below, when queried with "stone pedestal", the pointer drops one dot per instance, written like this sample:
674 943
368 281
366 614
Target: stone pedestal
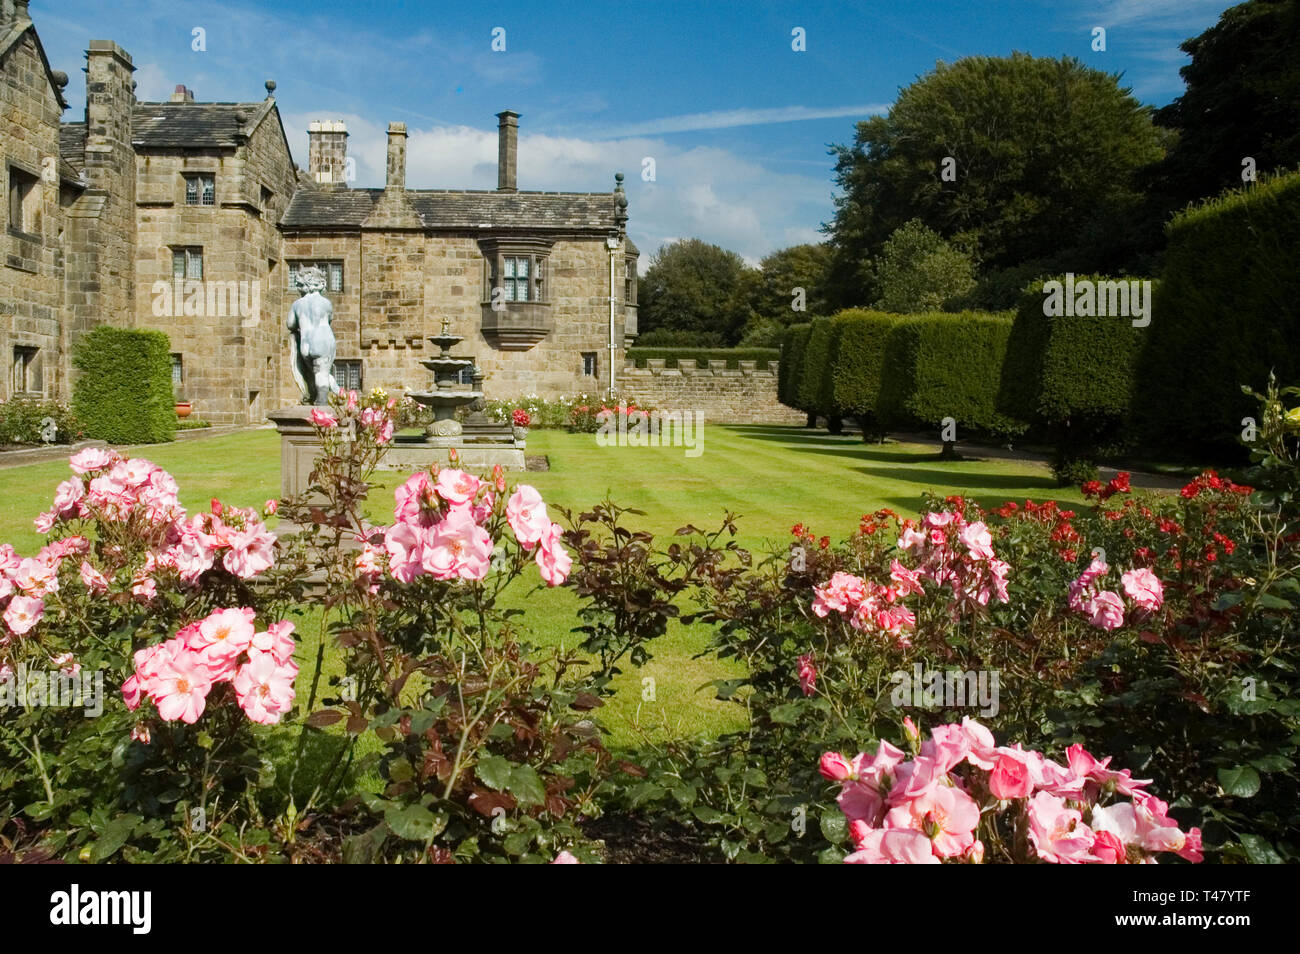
299 448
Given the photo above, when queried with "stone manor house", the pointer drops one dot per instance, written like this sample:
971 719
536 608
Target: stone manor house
192 218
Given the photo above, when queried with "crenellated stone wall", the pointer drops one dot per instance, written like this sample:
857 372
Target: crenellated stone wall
746 395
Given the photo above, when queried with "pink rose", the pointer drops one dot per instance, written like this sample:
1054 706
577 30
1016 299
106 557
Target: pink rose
807 671
413 496
1058 833
224 635
527 516
1010 778
1143 588
893 847
323 418
264 688
835 767
553 561
1106 611
180 690
456 486
91 459
457 547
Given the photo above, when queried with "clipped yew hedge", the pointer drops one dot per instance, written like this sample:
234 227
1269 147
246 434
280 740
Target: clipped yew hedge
790 371
814 380
1072 374
1227 312
939 365
123 392
859 361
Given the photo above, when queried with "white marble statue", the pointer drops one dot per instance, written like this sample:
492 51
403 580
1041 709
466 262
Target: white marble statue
310 327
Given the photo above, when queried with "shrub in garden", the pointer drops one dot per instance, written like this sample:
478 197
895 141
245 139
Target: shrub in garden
939 365
123 391
24 421
1227 310
481 740
132 591
859 362
1144 625
1073 376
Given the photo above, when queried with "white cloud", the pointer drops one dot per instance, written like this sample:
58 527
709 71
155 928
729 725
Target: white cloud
1112 13
701 192
730 118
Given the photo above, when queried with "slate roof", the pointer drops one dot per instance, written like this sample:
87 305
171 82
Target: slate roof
72 144
315 208
194 125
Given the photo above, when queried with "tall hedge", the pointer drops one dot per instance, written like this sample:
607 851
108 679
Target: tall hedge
1071 367
1226 313
123 392
859 360
939 365
790 371
814 379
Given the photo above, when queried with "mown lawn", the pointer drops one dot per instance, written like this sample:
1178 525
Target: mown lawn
771 477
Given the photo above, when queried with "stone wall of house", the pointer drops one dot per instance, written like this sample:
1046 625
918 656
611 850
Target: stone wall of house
744 396
228 329
398 286
31 272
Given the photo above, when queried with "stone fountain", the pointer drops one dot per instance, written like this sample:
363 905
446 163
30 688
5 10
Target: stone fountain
479 442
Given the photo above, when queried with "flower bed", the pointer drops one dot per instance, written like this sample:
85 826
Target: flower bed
418 722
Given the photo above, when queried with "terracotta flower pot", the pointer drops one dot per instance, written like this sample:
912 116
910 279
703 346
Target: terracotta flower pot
184 409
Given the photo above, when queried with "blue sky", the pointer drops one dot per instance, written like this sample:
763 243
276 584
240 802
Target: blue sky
736 121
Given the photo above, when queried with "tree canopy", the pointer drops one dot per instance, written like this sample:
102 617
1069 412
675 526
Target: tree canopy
695 291
1242 100
1037 152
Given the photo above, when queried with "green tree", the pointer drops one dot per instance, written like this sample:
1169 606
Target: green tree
919 271
785 270
1242 100
697 288
1041 150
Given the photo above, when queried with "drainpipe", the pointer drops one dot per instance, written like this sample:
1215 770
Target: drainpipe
612 243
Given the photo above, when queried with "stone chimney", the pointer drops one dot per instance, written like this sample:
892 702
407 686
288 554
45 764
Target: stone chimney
396 180
13 12
507 150
327 152
103 241
182 94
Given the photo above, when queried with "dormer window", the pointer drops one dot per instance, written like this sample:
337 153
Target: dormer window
200 190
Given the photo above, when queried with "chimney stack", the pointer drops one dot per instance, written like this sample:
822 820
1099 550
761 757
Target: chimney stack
327 152
507 150
182 94
13 12
396 180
